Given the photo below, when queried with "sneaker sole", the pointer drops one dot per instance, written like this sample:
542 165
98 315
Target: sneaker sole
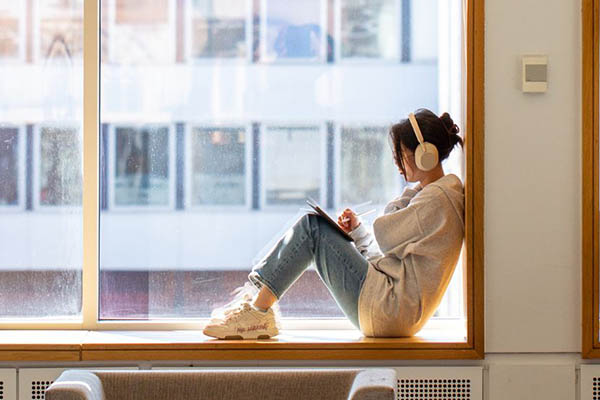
242 337
239 337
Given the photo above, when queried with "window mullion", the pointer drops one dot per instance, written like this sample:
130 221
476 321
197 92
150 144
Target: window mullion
91 96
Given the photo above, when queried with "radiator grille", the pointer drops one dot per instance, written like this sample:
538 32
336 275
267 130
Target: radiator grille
38 389
439 383
8 384
434 389
589 382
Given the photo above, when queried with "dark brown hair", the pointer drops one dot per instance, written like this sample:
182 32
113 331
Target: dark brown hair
441 131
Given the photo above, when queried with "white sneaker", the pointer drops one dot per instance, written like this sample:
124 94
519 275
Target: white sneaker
242 294
245 322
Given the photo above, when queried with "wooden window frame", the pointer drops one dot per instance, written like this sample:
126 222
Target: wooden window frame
85 340
589 224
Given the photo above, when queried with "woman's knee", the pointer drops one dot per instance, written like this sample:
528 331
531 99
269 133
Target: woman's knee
309 220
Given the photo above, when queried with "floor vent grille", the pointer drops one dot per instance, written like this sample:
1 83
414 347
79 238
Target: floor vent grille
439 383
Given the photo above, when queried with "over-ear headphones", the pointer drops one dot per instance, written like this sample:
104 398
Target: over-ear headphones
426 154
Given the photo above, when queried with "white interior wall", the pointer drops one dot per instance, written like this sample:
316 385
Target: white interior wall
533 206
532 178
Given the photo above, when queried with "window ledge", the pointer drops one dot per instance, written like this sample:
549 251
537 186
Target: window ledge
81 345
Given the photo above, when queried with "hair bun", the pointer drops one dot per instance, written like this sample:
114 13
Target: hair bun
449 124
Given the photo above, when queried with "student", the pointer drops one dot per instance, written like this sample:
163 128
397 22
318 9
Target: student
389 284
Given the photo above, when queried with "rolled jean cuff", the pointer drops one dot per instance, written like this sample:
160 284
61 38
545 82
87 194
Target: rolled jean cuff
259 281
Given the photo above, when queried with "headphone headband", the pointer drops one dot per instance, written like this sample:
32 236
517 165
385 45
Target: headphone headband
415 126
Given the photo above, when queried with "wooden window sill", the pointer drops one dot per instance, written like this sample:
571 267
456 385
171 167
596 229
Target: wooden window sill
49 345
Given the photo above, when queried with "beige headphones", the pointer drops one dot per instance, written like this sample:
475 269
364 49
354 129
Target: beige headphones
426 154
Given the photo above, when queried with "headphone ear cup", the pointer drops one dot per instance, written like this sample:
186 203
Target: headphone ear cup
426 156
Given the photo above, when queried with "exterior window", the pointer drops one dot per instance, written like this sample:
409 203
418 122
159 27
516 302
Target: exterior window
60 167
367 166
286 148
215 159
369 29
9 167
41 160
141 167
61 29
141 31
218 166
219 28
11 28
293 33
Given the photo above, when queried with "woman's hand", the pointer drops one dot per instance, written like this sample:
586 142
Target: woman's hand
348 220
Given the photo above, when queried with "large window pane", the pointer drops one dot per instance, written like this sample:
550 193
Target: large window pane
186 214
219 28
11 28
61 29
219 166
9 166
141 167
285 149
369 29
367 172
141 31
293 32
60 167
41 159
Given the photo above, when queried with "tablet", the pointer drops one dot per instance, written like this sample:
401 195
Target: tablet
319 211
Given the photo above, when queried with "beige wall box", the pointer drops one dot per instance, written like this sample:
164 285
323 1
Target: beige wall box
535 74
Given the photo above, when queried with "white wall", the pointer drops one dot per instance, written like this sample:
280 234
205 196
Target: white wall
532 194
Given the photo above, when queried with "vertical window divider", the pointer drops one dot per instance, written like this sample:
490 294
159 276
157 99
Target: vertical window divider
91 125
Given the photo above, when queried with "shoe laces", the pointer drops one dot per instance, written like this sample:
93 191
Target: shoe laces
248 290
238 312
240 294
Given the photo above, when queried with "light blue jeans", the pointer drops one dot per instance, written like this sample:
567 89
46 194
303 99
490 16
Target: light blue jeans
339 264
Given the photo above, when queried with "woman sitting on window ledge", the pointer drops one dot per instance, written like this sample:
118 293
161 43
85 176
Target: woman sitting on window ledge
389 285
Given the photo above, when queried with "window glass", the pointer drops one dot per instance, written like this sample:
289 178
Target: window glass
369 29
41 160
185 214
218 166
285 149
424 35
141 31
293 32
61 28
367 166
10 28
219 28
9 166
60 167
142 167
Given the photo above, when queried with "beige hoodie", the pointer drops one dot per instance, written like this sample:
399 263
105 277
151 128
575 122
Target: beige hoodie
420 237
